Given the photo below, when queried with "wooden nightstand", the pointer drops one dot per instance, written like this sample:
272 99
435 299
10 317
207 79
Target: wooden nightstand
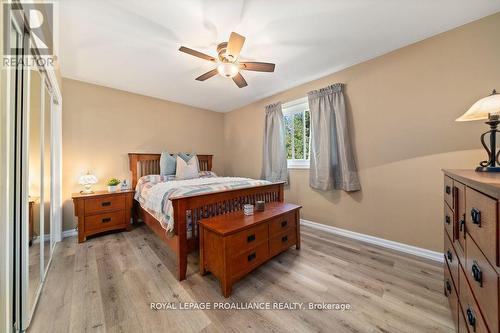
102 211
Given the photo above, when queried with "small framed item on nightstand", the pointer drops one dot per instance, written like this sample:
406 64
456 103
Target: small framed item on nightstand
102 211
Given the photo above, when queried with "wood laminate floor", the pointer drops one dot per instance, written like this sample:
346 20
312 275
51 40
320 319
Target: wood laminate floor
108 283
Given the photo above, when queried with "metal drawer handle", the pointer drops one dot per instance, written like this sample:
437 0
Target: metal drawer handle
448 189
106 204
284 224
106 220
284 239
461 224
477 273
250 238
448 288
447 219
449 255
471 318
252 256
475 215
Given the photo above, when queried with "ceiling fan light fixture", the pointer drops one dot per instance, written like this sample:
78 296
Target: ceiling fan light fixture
228 69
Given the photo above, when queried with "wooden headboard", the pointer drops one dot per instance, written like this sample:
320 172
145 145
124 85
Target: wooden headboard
143 164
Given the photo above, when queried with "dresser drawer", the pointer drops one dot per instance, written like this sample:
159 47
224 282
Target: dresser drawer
450 292
483 281
448 191
248 260
473 318
105 221
247 239
460 230
281 224
282 241
104 204
481 222
448 222
451 258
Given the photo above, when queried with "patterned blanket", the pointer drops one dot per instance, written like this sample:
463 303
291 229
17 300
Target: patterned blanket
154 192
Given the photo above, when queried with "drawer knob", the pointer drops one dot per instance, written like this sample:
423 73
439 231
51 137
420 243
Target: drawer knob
461 224
447 219
475 215
477 274
251 256
284 239
471 318
449 255
447 189
251 238
106 220
284 224
106 204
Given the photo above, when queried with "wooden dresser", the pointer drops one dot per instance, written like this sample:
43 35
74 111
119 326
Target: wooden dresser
102 211
232 245
471 249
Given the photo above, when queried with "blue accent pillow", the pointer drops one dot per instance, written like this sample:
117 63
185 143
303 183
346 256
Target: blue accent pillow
186 156
168 163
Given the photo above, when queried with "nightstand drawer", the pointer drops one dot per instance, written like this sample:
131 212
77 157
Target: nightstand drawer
481 222
105 221
472 314
104 204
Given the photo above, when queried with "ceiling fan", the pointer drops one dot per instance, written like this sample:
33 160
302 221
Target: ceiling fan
228 63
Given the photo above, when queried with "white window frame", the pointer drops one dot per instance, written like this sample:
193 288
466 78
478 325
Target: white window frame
289 109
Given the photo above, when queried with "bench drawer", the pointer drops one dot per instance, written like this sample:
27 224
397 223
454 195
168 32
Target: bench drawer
105 221
481 222
104 204
281 224
248 260
483 281
282 241
473 317
247 239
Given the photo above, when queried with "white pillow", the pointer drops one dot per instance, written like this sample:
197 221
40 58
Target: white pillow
187 170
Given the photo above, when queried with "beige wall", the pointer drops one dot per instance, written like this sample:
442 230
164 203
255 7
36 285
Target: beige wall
402 108
101 125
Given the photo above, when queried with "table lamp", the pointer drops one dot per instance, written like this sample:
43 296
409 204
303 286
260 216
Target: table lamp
87 180
487 108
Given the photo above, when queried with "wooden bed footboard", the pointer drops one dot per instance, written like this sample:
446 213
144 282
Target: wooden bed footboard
188 210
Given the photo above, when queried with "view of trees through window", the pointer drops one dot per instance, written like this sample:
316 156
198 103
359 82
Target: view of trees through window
297 135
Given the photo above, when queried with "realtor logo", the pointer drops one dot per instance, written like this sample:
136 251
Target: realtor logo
37 18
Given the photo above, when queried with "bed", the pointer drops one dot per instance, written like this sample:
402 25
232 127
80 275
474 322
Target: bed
188 209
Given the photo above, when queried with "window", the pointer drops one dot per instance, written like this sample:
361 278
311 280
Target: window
297 133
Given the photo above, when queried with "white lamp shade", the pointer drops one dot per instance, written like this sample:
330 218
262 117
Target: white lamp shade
482 108
87 179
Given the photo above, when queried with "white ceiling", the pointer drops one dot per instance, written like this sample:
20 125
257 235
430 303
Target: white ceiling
133 45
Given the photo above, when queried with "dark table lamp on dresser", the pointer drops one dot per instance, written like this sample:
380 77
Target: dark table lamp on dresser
487 108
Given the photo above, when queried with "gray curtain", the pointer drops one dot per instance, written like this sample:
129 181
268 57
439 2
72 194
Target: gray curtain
332 163
274 164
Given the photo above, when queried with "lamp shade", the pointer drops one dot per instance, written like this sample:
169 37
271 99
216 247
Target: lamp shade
87 179
482 108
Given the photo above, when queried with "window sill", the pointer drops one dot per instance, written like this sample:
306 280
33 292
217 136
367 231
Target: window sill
298 166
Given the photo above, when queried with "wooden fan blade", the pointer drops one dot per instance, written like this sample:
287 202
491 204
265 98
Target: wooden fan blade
207 75
257 66
235 44
240 81
196 53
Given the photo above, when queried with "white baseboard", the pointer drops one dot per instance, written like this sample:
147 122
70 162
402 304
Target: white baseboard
69 233
405 248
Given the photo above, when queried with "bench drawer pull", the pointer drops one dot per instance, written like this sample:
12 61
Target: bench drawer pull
284 239
250 238
252 256
106 220
284 224
106 204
